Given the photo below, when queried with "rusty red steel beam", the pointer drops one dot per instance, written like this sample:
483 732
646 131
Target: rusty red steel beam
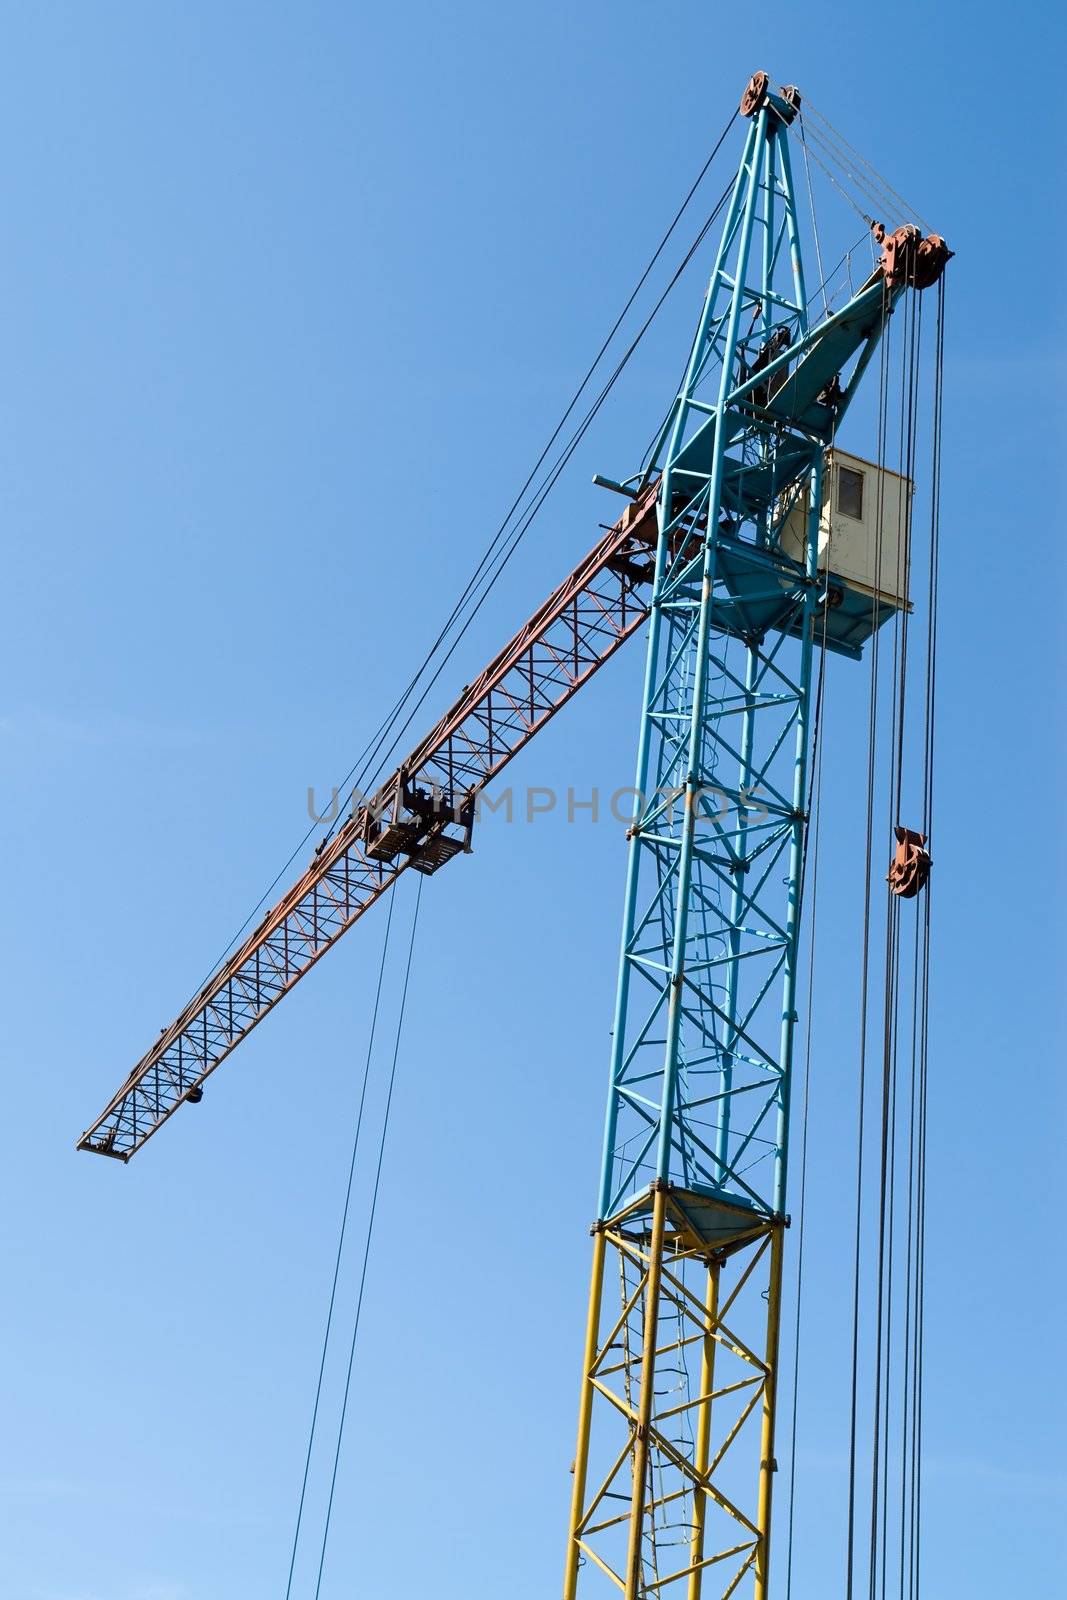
580 626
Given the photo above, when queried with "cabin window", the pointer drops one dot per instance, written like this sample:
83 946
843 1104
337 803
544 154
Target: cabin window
850 493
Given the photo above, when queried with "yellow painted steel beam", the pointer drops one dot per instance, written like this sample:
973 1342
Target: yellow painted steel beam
648 1391
585 1410
702 1451
768 1465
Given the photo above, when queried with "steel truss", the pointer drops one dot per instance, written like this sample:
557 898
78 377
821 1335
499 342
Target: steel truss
675 1455
420 817
683 1347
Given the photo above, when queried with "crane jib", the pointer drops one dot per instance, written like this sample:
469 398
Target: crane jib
420 818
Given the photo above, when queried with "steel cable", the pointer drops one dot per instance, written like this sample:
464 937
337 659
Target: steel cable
897 1312
814 223
864 985
340 1244
374 744
369 1234
891 982
915 1508
561 463
833 135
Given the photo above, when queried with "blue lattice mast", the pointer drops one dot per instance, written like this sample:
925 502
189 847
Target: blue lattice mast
675 1463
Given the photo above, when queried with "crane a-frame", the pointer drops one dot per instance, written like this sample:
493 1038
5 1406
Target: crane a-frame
720 546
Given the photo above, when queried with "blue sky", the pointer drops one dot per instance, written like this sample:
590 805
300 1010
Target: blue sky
293 295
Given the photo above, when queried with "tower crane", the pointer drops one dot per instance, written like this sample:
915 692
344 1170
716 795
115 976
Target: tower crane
728 549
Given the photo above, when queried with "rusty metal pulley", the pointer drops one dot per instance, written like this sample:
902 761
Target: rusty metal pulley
910 867
754 94
909 258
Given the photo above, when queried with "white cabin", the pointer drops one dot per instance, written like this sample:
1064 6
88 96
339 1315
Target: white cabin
863 530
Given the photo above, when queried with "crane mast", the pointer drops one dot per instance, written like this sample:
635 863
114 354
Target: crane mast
675 1460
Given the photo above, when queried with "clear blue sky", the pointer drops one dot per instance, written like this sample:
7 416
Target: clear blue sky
292 294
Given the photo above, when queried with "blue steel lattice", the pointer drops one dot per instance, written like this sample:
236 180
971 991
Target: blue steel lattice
705 1011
